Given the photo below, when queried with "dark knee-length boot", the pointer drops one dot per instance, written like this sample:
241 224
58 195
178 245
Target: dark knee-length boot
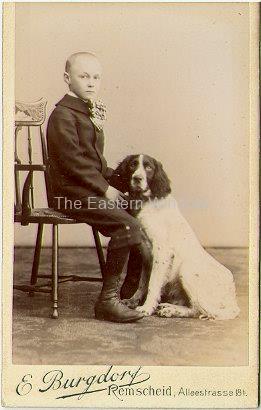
138 270
108 305
132 279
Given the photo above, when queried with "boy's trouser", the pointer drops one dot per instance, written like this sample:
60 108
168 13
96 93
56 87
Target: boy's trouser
124 229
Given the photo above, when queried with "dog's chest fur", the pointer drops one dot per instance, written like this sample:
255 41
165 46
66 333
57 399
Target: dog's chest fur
155 218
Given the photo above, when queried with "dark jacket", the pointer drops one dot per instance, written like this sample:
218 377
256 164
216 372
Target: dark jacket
75 149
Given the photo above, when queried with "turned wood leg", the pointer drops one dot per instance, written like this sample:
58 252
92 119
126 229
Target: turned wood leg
37 254
99 250
55 270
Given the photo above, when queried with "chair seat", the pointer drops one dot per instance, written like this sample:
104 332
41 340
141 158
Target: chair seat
46 216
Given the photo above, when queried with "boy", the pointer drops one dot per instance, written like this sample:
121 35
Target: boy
79 175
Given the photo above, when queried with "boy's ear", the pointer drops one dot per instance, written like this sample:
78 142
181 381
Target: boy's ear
66 77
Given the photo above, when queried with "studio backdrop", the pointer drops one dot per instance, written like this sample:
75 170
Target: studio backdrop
176 84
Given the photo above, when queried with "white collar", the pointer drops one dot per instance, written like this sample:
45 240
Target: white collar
71 93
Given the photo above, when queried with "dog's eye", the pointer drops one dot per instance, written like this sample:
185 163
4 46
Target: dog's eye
148 167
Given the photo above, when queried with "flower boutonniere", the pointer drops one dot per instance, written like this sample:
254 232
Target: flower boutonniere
97 111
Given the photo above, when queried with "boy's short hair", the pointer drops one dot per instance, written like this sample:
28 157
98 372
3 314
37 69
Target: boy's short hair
73 57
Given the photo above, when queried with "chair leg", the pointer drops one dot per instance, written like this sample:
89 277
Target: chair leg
99 250
37 254
55 270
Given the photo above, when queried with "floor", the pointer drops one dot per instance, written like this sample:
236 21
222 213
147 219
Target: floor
78 338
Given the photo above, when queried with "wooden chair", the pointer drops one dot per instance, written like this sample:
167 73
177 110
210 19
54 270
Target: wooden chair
29 119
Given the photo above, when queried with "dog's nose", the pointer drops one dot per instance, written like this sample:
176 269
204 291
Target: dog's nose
137 178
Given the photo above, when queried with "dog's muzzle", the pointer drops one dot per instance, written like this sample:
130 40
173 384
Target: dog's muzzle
139 184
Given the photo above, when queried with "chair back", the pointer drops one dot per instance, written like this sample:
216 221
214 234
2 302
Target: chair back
29 119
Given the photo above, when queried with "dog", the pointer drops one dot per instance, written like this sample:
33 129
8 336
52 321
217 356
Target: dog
185 281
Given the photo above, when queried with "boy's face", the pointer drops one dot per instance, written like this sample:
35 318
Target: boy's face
84 77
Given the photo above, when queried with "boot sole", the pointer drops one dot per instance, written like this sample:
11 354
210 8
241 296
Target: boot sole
102 316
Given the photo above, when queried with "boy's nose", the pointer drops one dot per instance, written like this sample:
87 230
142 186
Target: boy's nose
90 82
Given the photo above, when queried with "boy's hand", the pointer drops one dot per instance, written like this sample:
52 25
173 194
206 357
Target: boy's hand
114 194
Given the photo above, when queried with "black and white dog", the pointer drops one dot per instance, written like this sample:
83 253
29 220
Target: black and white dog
185 280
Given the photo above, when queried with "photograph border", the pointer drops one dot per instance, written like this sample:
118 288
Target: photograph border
240 377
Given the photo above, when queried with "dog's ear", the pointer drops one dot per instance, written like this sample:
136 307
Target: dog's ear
160 184
120 178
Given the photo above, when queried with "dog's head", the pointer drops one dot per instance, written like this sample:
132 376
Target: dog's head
142 176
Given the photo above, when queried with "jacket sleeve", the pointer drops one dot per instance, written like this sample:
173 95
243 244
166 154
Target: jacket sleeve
109 172
64 147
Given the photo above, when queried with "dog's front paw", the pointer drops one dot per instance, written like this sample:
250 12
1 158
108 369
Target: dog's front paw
146 310
163 310
131 303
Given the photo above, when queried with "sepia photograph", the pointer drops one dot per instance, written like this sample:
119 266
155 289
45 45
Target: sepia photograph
131 227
